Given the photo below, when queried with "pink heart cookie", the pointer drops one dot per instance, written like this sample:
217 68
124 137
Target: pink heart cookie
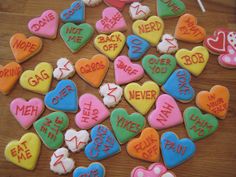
228 60
112 20
154 170
92 111
46 25
126 71
26 112
167 113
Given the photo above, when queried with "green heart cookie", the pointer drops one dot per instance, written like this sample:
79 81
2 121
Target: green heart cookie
159 69
126 126
76 36
170 8
199 125
50 127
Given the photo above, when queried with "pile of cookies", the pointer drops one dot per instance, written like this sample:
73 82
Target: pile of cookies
94 139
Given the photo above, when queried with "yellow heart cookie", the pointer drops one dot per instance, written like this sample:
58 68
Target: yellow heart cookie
39 80
24 153
150 30
110 45
194 61
142 97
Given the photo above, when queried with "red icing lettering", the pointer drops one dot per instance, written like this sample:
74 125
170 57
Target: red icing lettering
177 148
89 113
165 111
182 86
24 110
146 94
72 11
193 59
150 27
159 65
21 151
9 72
127 125
62 94
92 67
109 22
33 81
173 6
128 69
42 22
25 45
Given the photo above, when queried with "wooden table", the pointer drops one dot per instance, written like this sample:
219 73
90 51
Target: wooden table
215 156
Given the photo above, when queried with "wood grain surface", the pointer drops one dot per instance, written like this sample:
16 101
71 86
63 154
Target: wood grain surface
215 156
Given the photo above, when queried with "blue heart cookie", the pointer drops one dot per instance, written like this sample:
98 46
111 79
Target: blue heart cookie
178 86
63 98
74 14
137 47
176 151
94 169
103 144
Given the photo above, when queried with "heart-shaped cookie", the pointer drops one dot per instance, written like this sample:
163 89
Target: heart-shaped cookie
119 4
215 102
103 144
24 153
63 98
9 75
75 13
159 69
176 151
231 38
137 47
126 126
39 79
167 113
126 71
112 20
139 11
46 25
76 36
170 8
154 170
64 70
92 3
50 127
111 93
153 26
94 169
178 86
24 48
228 60
188 30
60 162
93 70
194 61
141 97
92 111
199 125
146 147
168 174
76 140
110 45
168 44
26 112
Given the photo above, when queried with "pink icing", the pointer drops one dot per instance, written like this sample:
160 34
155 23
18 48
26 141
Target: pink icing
126 71
46 25
154 170
26 112
229 59
112 20
167 113
92 111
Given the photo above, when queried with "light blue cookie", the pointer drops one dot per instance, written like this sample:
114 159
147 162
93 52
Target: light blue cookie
94 169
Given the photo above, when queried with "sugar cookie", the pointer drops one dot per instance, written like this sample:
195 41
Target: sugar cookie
168 44
170 8
154 170
228 60
168 174
111 93
126 71
92 3
106 146
92 111
26 112
138 11
24 48
64 69
95 169
119 4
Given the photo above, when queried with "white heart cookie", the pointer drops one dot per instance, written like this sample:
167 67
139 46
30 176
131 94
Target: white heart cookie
139 11
60 163
92 3
112 94
232 39
168 44
64 70
168 174
76 140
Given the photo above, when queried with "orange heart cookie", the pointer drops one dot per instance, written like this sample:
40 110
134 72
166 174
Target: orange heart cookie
146 147
93 70
215 102
188 30
23 48
9 74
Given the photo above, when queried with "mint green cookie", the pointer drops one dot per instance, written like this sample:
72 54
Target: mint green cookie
76 36
126 126
159 69
199 125
50 127
170 8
